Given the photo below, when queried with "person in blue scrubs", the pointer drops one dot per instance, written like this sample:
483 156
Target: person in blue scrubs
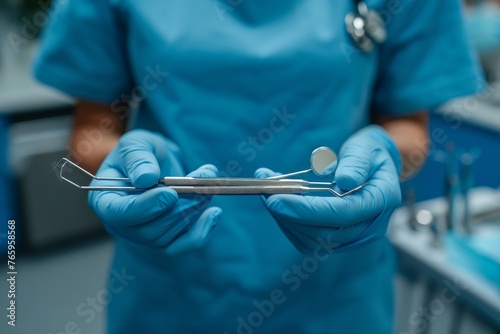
244 89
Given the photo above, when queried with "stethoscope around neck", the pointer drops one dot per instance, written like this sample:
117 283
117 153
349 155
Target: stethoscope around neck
365 26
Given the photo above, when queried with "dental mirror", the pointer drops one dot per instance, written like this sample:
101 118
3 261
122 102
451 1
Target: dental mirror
323 163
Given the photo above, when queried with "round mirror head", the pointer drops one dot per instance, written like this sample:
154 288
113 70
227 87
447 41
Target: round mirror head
323 161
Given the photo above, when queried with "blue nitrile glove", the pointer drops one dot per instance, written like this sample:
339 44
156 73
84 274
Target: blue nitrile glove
156 217
358 218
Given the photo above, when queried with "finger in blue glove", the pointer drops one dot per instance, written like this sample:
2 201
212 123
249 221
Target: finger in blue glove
157 217
347 222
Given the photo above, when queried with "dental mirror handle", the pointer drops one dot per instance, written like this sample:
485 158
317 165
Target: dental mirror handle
277 177
257 190
217 190
322 161
244 190
222 181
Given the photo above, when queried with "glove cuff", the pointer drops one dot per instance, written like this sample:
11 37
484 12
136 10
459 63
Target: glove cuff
379 135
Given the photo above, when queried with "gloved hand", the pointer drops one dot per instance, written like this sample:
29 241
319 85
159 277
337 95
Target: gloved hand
343 223
156 217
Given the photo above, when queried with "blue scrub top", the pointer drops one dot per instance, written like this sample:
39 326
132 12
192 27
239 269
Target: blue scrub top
242 85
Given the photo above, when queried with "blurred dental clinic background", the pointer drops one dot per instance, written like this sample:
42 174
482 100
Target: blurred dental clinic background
446 234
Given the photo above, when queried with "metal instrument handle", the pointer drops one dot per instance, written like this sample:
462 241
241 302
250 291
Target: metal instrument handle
240 190
222 181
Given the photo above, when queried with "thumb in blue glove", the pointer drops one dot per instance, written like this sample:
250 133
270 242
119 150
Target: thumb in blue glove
157 217
343 223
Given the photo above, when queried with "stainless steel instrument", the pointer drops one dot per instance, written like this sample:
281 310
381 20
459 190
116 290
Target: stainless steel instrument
323 163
